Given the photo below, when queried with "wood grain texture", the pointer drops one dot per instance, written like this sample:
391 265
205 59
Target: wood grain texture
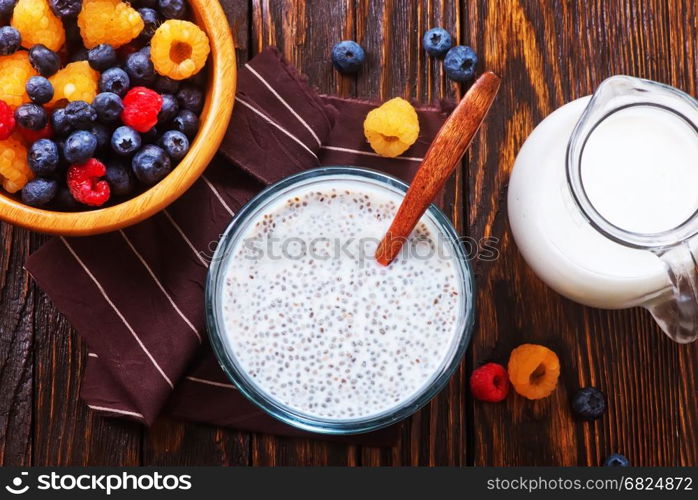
65 431
547 53
16 348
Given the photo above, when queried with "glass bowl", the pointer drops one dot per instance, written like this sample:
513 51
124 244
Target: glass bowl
224 254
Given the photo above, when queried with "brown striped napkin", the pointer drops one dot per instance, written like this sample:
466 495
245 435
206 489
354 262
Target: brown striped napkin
137 295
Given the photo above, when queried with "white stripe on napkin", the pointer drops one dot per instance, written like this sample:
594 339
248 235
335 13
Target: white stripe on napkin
281 99
161 286
186 239
272 122
118 313
368 153
116 410
211 382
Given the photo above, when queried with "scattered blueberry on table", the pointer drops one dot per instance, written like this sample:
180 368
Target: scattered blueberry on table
588 403
460 63
437 41
348 56
616 460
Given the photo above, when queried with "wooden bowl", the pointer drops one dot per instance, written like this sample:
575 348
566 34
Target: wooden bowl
215 116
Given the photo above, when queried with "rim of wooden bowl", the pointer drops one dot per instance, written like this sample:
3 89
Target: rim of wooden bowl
214 122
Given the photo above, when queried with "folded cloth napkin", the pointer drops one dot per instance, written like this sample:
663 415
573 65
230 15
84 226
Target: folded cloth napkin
137 295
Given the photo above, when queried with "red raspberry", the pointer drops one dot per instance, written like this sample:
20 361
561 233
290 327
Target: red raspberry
32 136
490 383
85 184
141 108
7 121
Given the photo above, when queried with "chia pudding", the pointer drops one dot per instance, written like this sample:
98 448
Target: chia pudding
322 329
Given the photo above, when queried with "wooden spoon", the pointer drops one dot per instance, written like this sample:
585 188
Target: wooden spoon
443 155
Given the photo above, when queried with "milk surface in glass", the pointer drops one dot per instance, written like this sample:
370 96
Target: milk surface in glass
318 325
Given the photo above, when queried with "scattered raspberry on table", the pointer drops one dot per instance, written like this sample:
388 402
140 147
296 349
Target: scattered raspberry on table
490 383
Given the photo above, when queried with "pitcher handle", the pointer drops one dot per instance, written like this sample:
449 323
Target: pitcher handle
676 311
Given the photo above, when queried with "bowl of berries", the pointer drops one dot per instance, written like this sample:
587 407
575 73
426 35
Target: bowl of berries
109 110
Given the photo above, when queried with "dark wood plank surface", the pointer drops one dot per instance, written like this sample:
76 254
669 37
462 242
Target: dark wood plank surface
547 54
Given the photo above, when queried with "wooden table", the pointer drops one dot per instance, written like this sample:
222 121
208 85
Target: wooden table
548 53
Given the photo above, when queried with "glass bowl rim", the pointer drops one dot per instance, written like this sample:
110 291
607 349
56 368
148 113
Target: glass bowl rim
277 410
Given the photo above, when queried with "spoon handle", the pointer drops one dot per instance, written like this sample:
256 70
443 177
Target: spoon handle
443 155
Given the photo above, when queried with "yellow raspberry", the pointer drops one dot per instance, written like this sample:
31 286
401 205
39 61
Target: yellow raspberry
76 82
108 21
392 128
179 49
36 24
14 169
15 70
533 370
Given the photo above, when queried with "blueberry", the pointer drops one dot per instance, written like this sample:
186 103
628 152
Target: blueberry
125 140
173 9
108 107
151 165
31 116
191 98
187 123
151 21
166 85
102 57
616 460
80 114
43 157
59 122
120 178
6 8
39 192
64 200
169 109
348 56
460 63
10 40
44 60
79 147
588 403
175 144
437 41
39 89
103 135
114 80
140 68
66 8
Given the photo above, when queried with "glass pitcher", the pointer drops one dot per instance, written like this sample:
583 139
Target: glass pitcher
611 189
